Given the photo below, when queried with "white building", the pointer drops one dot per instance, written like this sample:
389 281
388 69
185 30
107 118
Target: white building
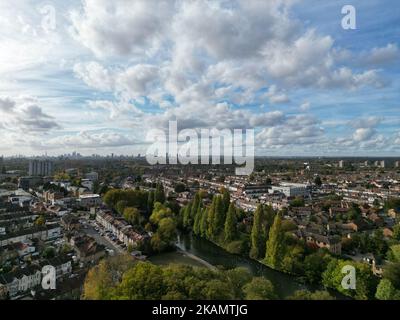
90 200
43 233
40 168
290 189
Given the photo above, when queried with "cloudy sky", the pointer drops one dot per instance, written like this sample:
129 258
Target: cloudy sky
94 76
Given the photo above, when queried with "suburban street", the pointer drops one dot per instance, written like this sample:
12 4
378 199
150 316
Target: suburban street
102 239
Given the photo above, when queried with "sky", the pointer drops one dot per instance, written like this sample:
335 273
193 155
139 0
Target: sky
95 76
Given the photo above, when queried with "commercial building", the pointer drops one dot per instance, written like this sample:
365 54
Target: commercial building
290 189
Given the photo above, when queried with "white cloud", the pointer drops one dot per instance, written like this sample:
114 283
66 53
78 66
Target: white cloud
363 134
91 140
122 27
138 80
95 75
305 106
381 56
276 96
296 130
25 116
6 104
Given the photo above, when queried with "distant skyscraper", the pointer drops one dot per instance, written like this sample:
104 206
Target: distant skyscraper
397 164
40 168
341 164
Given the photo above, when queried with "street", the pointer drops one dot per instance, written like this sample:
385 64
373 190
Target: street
89 230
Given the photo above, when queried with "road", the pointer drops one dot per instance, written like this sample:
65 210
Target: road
102 240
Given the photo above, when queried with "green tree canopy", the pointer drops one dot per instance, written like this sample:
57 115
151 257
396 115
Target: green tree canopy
275 244
386 291
259 288
132 215
366 282
307 295
230 224
257 249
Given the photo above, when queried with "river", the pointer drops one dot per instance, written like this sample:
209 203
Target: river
201 252
284 284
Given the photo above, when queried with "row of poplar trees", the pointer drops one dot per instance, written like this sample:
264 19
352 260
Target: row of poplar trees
267 237
219 222
219 218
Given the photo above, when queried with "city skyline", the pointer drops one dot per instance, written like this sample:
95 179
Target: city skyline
94 77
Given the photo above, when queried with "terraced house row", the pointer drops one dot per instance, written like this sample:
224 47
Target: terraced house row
121 229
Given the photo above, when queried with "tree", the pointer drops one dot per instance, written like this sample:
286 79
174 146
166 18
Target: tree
150 201
238 277
159 194
49 253
318 181
187 219
197 220
218 290
365 280
120 206
307 295
220 215
386 291
377 244
392 273
195 206
211 227
40 221
257 234
292 259
226 199
230 224
314 265
143 281
275 244
160 211
179 187
394 253
269 216
259 288
133 198
132 215
165 235
297 202
396 232
203 222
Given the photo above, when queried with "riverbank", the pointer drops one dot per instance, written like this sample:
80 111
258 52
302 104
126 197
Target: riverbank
180 257
285 284
192 256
